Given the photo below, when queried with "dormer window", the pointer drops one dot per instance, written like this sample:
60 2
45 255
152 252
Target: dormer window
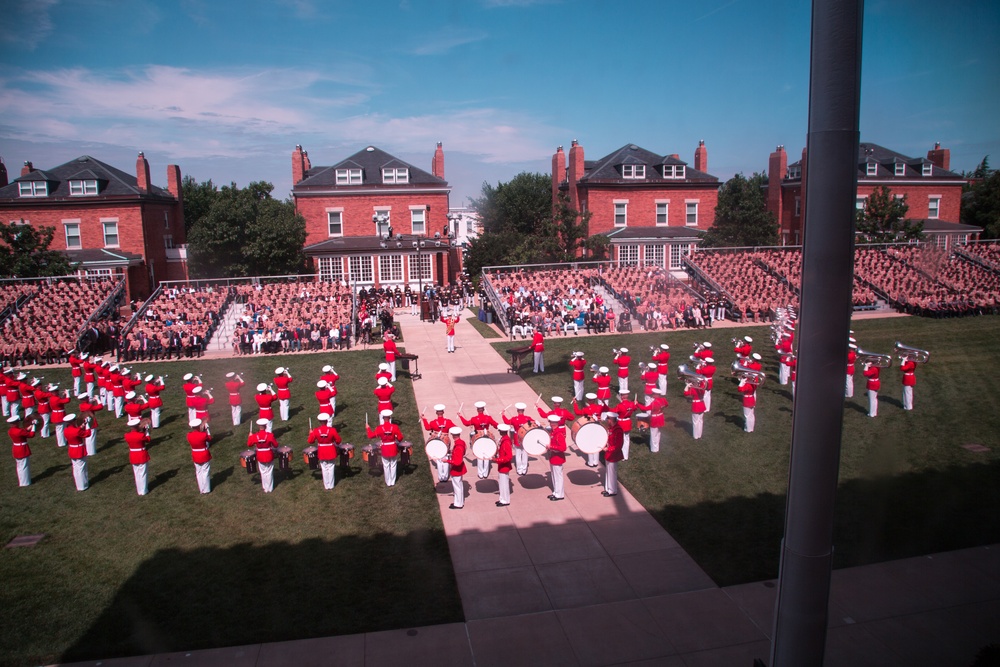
928 169
33 189
633 171
396 175
83 188
348 177
900 169
673 171
794 172
872 169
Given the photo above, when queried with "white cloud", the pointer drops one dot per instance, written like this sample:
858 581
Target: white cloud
26 24
434 45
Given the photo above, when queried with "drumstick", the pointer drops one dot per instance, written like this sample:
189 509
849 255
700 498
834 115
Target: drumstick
460 407
310 423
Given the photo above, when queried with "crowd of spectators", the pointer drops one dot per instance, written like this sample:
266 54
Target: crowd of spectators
988 253
555 301
907 288
787 264
292 316
977 289
754 293
659 301
179 322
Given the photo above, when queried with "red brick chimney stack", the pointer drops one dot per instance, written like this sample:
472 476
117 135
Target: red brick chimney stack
941 157
174 181
298 165
3 174
576 170
306 162
27 168
437 164
777 167
142 173
701 157
558 173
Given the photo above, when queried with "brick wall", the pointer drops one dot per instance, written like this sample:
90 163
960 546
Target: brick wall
642 206
358 210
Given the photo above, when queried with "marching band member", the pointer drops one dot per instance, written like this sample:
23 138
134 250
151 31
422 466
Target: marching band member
852 358
662 359
657 419
89 407
20 449
695 394
871 371
76 368
190 382
133 406
42 397
104 384
154 386
391 353
265 446
557 456
449 330
650 380
792 362
330 377
28 401
622 360
743 348
516 422
282 380
390 437
624 410
783 348
707 369
503 458
58 404
234 383
383 372
603 381
754 362
14 395
456 463
703 350
137 440
265 398
198 439
202 399
613 453
323 396
593 410
75 436
577 363
326 438
481 422
6 382
439 427
908 366
130 383
749 392
557 409
117 379
538 350
89 374
383 392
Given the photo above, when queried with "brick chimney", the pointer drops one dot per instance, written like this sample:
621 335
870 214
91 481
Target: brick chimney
27 168
701 157
777 167
306 161
174 181
576 170
298 165
3 174
558 173
941 157
437 164
142 173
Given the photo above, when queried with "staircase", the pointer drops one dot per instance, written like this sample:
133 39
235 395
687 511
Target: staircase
222 339
616 306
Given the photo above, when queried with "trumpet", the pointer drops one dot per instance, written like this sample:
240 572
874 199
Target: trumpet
698 347
594 367
737 341
691 378
756 378
615 351
874 358
907 352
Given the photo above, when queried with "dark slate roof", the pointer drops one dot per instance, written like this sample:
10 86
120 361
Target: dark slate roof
371 161
654 233
352 245
112 182
102 256
938 226
608 168
887 159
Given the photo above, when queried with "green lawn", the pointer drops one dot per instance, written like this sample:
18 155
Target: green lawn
119 574
907 487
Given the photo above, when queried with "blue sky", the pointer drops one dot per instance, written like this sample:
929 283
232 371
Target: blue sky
227 89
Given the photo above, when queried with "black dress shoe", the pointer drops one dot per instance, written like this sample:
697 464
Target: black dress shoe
554 498
500 504
454 507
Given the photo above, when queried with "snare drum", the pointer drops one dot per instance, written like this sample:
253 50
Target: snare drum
534 439
310 457
284 458
642 424
589 435
371 453
346 451
405 448
248 460
436 448
484 448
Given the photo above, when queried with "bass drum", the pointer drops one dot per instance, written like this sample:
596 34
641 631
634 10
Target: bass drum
484 447
436 448
534 439
589 435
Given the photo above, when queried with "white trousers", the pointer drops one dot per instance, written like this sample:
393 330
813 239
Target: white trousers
15 409
557 481
283 408
539 362
119 402
392 369
872 403
661 383
782 373
154 417
60 435
6 405
329 469
23 471
623 383
80 474
76 385
626 443
389 469
443 470
611 477
458 488
90 442
237 411
593 460
191 412
504 479
521 460
654 438
90 390
907 397
849 386
266 476
749 419
451 343
697 424
203 472
483 468
708 400
578 390
141 484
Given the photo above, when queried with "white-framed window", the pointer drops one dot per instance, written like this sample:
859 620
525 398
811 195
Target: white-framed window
628 255
396 175
677 253
900 169
928 169
418 219
334 222
652 255
33 189
633 171
420 267
384 221
98 274
390 268
934 206
860 202
691 215
662 212
360 267
798 206
83 188
348 177
872 169
72 228
621 213
794 172
110 232
941 240
673 171
331 269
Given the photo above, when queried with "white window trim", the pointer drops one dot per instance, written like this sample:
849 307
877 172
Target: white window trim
937 215
33 189
349 176
633 171
680 171
422 208
871 169
616 203
657 203
399 175
927 169
687 203
104 232
900 169
798 206
383 210
79 236
335 209
84 187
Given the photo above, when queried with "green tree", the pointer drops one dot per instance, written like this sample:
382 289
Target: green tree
246 232
563 234
24 252
981 205
521 205
883 219
741 215
198 198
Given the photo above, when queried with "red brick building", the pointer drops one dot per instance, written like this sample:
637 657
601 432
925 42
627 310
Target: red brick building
933 193
110 223
373 219
652 207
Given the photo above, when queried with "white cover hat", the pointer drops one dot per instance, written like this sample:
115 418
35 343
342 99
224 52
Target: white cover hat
133 421
324 417
480 405
188 376
321 384
279 370
383 366
503 427
557 399
623 392
70 417
439 407
578 354
262 422
554 418
13 419
385 413
22 376
262 386
382 382
520 406
85 355
327 368
455 430
610 415
148 378
602 369
590 396
194 423
623 350
230 374
755 356
709 360
130 395
707 344
197 390
664 346
748 339
651 365
114 367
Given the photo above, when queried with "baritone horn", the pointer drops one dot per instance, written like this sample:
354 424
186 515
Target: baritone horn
905 351
756 378
874 358
691 378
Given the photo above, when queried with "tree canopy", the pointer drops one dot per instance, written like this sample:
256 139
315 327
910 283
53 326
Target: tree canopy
883 219
25 253
245 232
198 198
741 215
981 202
519 206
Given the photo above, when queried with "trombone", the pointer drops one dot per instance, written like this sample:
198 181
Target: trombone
915 353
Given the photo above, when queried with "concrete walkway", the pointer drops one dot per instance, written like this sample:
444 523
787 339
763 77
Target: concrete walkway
596 581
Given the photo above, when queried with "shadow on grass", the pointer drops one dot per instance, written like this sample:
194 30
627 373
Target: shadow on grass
50 471
162 478
247 594
738 540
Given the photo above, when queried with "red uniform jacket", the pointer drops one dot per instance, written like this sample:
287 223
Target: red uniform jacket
624 411
389 435
873 383
457 459
578 364
265 444
505 454
384 396
264 402
282 382
326 439
650 379
153 390
707 370
749 394
656 417
200 404
331 381
75 436
233 387
564 414
851 358
537 342
323 397
622 361
517 421
616 440
909 377
479 422
557 446
19 436
390 351
603 383
662 359
696 395
199 446
134 409
137 441
441 425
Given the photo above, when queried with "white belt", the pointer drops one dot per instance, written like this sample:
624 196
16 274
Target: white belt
264 449
200 449
144 449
